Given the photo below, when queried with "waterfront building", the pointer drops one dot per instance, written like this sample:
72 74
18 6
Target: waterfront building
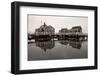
76 29
73 30
64 31
45 30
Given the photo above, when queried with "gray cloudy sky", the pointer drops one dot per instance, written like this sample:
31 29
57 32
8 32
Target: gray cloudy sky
58 22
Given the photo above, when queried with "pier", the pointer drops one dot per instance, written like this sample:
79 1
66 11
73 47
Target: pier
70 36
78 37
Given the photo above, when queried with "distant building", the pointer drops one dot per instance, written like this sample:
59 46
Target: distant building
76 29
63 31
45 30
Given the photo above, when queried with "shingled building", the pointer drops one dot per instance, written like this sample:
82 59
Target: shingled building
45 30
73 30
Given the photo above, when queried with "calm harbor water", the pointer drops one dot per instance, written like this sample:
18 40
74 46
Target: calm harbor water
57 49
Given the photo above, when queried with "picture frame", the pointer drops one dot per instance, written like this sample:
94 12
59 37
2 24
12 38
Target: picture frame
21 15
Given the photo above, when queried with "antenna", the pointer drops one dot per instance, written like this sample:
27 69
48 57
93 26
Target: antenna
45 18
41 21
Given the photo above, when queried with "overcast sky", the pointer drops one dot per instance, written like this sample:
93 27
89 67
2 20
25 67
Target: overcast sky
58 22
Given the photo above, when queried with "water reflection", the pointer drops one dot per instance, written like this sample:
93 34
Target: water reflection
44 45
74 44
57 49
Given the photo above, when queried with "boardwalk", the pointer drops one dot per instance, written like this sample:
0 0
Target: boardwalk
67 36
71 36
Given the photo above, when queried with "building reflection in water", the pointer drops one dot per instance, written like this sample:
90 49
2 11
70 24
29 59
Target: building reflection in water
74 44
45 44
51 44
63 42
